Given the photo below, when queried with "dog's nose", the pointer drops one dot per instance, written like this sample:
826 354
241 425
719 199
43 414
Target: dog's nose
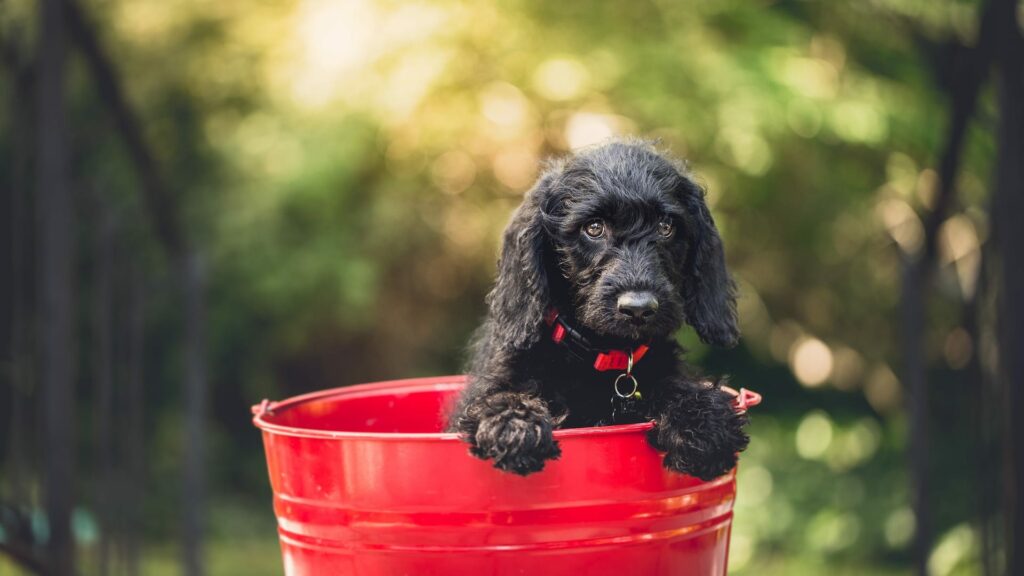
638 305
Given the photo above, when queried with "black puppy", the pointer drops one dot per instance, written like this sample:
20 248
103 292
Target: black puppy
610 252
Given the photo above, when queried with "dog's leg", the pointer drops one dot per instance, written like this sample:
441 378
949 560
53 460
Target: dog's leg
698 429
513 429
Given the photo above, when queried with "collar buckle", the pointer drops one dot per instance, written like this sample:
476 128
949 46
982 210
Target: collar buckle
577 344
619 359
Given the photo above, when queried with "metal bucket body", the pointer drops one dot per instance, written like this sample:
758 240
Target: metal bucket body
364 483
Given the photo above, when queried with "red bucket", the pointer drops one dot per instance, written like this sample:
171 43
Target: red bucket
365 483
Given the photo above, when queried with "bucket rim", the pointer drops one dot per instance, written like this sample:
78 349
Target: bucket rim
405 385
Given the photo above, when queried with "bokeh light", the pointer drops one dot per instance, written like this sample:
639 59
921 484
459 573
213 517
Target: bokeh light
814 435
811 361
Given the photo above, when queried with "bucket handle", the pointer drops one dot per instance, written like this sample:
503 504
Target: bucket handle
263 408
743 398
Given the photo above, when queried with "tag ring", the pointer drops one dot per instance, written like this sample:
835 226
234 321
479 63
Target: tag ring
631 392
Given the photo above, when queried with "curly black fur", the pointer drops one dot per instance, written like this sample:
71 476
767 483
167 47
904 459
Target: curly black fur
512 429
523 385
699 431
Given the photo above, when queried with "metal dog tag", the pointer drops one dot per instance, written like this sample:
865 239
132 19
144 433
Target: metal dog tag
626 410
626 399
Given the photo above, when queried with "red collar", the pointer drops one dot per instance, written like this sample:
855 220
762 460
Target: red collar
580 346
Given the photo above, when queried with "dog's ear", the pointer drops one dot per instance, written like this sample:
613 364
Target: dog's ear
521 294
709 293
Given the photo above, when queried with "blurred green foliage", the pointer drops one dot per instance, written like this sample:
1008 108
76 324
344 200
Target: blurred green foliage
349 166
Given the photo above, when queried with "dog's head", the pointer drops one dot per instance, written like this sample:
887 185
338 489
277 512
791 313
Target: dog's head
622 235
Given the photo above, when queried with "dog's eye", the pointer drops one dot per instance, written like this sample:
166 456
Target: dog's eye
666 228
594 229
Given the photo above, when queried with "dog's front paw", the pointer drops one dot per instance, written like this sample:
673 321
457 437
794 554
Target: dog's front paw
516 433
701 434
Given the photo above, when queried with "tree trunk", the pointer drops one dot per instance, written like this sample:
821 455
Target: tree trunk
1009 236
970 67
913 304
103 374
981 377
193 275
136 418
9 204
20 286
56 284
